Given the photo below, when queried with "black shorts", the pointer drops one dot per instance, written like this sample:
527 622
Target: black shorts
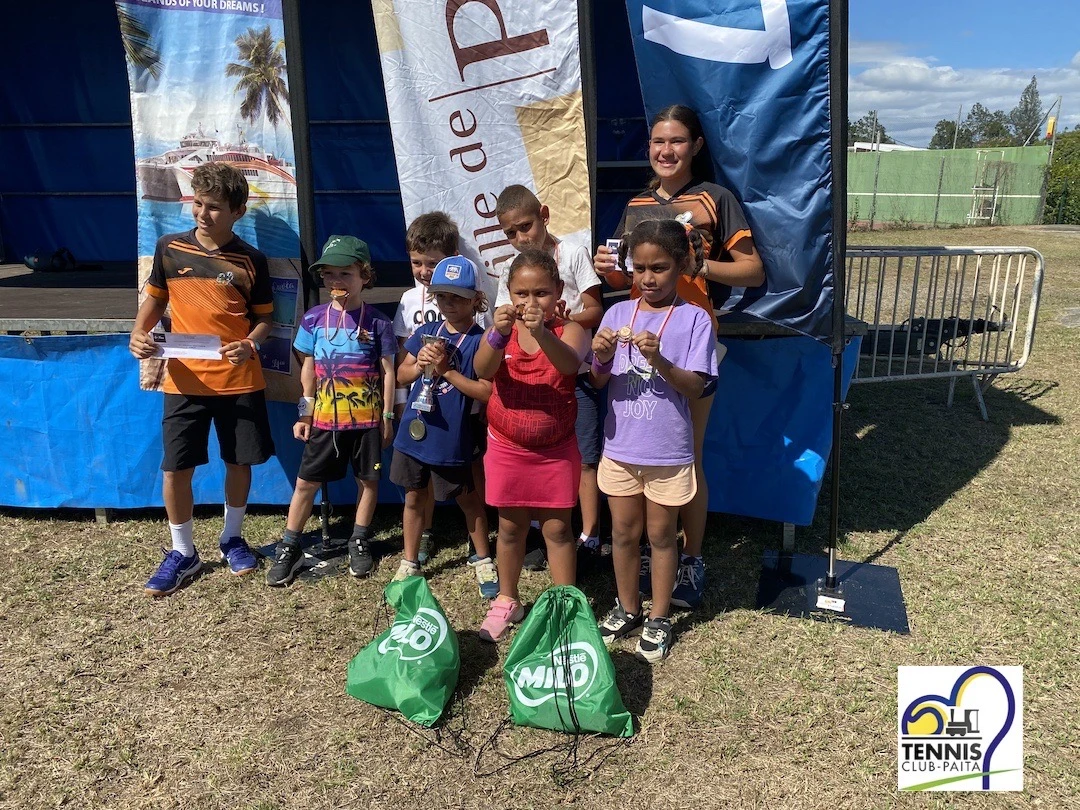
448 482
328 453
589 427
240 421
479 435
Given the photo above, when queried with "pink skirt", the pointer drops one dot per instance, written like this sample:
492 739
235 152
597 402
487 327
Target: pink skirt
546 478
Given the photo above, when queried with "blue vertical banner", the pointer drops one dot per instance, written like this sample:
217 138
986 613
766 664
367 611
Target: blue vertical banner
757 74
208 84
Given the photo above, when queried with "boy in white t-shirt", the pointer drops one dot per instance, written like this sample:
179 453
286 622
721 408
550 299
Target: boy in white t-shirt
524 221
430 238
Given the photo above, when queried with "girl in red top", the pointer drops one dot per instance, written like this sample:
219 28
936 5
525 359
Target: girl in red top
532 465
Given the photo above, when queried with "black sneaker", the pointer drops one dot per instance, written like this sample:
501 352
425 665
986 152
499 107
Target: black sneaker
360 559
287 561
655 641
618 624
535 551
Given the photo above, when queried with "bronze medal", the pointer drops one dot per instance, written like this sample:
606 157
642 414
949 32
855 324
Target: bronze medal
417 429
625 335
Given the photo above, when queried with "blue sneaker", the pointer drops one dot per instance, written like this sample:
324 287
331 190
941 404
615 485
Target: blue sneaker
172 572
689 583
239 557
487 576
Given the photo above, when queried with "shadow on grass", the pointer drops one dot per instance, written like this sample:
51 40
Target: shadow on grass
634 678
477 657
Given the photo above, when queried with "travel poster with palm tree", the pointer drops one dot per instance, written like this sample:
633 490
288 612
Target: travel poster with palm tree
208 83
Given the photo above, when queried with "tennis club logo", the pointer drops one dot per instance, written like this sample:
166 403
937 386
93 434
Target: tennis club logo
960 728
540 680
453 272
417 637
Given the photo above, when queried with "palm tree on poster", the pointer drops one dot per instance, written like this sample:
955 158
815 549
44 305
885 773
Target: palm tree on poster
261 71
140 50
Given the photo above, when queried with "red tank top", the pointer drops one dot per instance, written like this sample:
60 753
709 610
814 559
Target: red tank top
532 404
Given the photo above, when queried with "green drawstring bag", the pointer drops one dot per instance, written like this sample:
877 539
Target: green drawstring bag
558 673
413 666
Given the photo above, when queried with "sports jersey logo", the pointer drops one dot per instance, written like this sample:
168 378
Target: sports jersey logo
183 271
453 272
417 637
536 685
225 278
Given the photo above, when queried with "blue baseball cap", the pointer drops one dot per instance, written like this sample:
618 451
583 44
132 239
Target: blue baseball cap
454 274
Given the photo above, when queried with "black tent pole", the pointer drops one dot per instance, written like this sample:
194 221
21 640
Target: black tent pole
838 108
305 187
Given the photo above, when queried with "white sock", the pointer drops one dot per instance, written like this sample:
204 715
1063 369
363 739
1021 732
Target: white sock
181 538
234 522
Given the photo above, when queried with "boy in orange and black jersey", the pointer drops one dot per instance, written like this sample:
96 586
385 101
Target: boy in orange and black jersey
215 284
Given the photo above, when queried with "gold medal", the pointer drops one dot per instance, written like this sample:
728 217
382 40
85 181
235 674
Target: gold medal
625 335
417 429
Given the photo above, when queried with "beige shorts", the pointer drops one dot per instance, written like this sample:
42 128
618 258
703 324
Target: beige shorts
671 485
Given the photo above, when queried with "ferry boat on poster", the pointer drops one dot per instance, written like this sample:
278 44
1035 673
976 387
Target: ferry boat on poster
167 177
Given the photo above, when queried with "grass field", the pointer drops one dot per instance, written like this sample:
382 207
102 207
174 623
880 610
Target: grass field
230 694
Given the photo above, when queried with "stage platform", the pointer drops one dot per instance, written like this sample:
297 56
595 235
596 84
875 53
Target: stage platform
101 298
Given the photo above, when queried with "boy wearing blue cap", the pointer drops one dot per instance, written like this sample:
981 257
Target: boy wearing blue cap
344 414
435 442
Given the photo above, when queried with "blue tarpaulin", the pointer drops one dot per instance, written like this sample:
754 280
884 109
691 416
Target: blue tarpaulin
80 433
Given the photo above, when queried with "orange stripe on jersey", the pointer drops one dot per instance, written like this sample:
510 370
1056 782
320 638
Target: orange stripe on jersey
156 292
708 204
736 237
262 309
184 247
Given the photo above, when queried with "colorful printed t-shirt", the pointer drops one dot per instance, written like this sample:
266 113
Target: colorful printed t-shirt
448 439
348 378
211 292
532 403
648 421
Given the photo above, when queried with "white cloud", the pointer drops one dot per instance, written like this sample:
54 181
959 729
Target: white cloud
911 94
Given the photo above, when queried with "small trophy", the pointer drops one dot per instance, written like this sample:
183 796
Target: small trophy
425 400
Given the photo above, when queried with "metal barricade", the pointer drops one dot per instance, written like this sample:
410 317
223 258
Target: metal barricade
944 312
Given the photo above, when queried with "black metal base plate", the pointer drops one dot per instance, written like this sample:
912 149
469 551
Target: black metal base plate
320 561
792 583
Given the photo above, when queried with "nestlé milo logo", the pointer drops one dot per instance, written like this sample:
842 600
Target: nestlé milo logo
417 637
538 681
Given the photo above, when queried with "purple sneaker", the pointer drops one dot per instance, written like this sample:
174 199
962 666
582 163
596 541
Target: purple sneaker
172 572
239 557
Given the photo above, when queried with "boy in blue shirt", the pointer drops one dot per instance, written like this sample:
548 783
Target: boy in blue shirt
436 446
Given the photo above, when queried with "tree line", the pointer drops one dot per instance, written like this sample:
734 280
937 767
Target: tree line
981 128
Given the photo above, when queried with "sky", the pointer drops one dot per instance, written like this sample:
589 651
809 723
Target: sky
917 61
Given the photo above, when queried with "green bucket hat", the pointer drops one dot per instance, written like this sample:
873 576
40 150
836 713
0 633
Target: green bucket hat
341 251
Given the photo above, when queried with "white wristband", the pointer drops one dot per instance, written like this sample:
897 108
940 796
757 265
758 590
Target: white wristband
401 396
305 406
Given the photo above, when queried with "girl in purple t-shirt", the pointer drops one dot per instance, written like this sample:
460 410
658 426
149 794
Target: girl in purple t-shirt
655 354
